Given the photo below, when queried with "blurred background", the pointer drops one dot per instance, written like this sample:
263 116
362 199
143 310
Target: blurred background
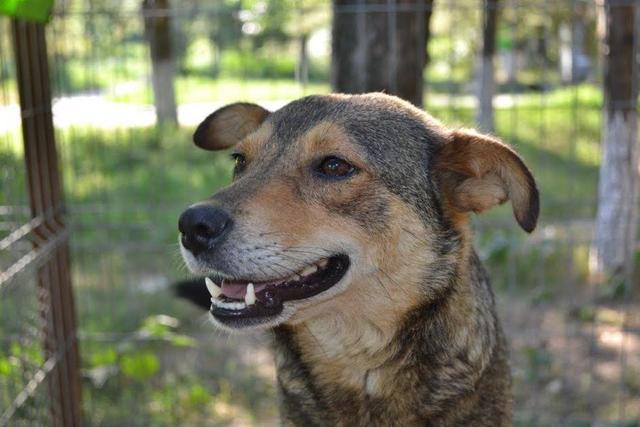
97 108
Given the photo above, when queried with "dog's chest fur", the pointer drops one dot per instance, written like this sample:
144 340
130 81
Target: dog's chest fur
446 365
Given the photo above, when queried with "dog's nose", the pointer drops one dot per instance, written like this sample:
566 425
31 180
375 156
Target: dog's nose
202 226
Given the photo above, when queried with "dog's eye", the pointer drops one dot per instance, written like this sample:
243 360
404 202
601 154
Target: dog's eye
336 167
240 162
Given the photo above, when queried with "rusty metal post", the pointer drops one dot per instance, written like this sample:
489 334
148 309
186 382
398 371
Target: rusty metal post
47 202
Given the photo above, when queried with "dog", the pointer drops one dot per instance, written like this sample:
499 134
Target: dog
346 231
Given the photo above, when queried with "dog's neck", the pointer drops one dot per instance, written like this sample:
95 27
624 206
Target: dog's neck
345 345
365 351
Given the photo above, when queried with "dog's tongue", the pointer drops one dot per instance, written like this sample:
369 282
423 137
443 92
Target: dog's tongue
237 290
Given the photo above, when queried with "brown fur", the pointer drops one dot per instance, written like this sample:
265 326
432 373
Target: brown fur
481 172
413 339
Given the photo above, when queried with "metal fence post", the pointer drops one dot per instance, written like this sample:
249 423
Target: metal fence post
47 201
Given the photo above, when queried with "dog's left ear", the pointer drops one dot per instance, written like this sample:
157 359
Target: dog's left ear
228 125
477 172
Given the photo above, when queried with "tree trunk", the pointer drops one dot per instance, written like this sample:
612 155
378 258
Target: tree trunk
380 46
574 62
428 12
157 26
617 216
486 84
302 70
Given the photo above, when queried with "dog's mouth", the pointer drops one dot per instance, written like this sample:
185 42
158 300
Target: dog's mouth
253 301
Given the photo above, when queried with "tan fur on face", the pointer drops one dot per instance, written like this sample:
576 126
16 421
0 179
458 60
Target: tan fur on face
295 203
349 335
252 145
330 138
388 260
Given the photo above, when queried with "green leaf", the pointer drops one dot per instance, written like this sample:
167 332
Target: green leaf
182 340
105 357
5 367
140 366
159 326
198 395
33 10
15 349
34 354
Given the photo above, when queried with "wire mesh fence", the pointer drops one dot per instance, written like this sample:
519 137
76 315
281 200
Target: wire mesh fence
41 344
148 359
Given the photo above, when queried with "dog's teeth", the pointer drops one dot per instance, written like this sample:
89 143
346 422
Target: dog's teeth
213 289
309 270
250 296
235 305
323 263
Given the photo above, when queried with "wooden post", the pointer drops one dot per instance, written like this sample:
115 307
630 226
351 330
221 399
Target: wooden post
380 46
47 202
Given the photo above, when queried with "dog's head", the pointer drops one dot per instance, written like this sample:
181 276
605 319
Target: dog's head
341 203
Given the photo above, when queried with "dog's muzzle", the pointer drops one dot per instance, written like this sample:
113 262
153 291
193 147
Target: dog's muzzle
238 300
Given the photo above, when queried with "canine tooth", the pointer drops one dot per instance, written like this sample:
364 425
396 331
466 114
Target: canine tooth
309 270
250 296
213 289
323 263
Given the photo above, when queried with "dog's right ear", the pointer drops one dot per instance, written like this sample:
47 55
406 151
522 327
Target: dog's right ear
228 125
